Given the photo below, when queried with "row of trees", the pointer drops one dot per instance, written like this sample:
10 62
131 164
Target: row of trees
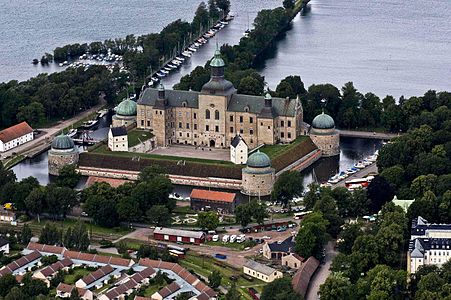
75 237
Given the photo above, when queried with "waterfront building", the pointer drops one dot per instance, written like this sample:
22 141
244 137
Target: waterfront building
258 176
178 235
62 152
205 200
430 244
261 271
213 116
14 136
238 150
324 135
125 114
118 139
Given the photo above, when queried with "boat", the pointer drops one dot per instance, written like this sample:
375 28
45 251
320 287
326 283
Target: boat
172 66
192 49
161 74
72 132
186 54
351 170
179 58
334 179
372 158
342 175
359 182
359 165
367 162
164 71
167 69
224 23
89 124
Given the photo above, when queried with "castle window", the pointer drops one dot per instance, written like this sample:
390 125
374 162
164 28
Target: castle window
289 123
180 133
187 125
180 114
187 135
217 128
269 127
246 109
207 114
251 131
156 112
142 122
241 119
231 118
180 124
282 123
261 123
241 130
195 116
216 114
207 128
195 126
252 141
282 134
231 129
251 120
184 104
148 123
289 135
161 112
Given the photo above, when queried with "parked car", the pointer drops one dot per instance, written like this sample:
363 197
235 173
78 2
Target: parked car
225 238
215 238
241 238
233 238
266 237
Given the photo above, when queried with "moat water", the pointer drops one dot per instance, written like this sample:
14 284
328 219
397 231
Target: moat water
393 47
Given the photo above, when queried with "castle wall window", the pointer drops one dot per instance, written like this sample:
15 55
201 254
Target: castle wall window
156 112
195 115
251 120
180 124
207 114
289 123
142 122
282 123
180 133
161 112
207 128
184 104
148 123
261 123
282 134
241 119
187 134
251 131
231 129
217 128
216 114
195 126
241 130
180 114
289 135
187 125
231 118
269 127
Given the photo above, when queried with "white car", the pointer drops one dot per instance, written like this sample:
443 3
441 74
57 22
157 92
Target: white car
215 238
225 239
233 238
241 238
266 237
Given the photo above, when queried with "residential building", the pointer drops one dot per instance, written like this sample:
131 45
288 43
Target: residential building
118 139
213 116
22 265
205 200
238 150
277 250
4 245
430 244
260 271
64 291
46 274
292 260
166 291
97 278
301 279
7 215
15 136
178 235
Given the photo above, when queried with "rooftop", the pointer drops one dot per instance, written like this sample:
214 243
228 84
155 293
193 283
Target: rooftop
118 131
213 195
258 267
14 132
302 277
96 275
179 232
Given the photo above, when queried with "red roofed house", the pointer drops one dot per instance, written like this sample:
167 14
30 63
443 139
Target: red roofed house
292 260
178 235
15 135
46 274
205 200
166 291
101 274
64 290
301 279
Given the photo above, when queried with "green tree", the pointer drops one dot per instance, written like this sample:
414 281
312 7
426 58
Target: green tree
347 238
74 295
35 201
394 176
127 209
25 234
68 177
288 4
379 192
102 210
214 279
232 293
60 200
336 286
326 205
259 212
208 220
159 215
279 289
16 294
147 174
6 176
243 214
33 113
224 5
7 282
287 186
251 86
312 236
50 235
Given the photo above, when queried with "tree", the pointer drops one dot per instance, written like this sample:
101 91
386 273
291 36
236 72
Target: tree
288 4
243 214
208 220
102 210
33 287
6 176
358 203
15 294
57 279
279 289
35 201
382 282
326 205
336 286
78 237
26 234
7 282
311 237
59 200
233 293
259 212
159 215
347 237
251 86
213 10
287 186
127 209
68 177
33 113
214 279
147 174
379 192
74 295
50 235
223 5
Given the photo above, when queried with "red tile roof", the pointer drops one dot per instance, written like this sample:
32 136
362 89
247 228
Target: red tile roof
55 267
45 248
15 132
302 277
64 288
169 290
213 195
96 275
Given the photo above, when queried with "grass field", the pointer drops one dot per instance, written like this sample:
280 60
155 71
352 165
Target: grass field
78 273
237 246
276 150
136 136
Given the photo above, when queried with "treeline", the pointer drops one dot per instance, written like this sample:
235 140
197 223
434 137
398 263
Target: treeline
44 98
240 58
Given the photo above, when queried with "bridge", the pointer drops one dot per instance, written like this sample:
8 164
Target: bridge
368 135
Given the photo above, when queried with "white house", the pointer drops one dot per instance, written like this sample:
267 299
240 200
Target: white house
260 271
238 150
118 139
430 244
15 135
4 246
7 215
64 291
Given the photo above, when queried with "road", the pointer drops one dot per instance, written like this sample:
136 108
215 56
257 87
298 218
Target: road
360 174
322 273
49 133
368 135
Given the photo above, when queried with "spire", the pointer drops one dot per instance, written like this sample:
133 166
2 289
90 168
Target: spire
217 63
161 93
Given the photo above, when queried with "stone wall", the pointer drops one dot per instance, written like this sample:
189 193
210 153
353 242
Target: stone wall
56 161
258 184
328 141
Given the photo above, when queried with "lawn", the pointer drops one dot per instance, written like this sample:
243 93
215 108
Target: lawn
136 136
204 265
153 288
276 150
78 273
236 246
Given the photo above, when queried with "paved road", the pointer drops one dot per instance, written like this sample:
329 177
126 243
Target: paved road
47 137
360 174
322 273
368 135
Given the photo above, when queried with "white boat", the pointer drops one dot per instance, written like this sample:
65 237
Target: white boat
372 158
366 162
351 170
164 71
171 66
192 49
89 124
176 62
168 69
342 175
334 179
359 165
186 54
102 113
197 45
224 23
179 58
161 74
72 132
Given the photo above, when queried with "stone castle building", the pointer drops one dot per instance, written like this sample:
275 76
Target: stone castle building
125 114
213 117
258 177
324 135
63 152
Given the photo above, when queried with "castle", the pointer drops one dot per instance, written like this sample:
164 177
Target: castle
214 116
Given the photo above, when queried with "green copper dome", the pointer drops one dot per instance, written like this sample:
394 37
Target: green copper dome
268 96
258 160
217 60
62 142
323 121
126 108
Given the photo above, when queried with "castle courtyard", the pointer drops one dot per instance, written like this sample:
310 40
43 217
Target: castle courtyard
193 152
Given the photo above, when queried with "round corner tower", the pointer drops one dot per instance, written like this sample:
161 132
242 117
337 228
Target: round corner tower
324 135
258 177
63 152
